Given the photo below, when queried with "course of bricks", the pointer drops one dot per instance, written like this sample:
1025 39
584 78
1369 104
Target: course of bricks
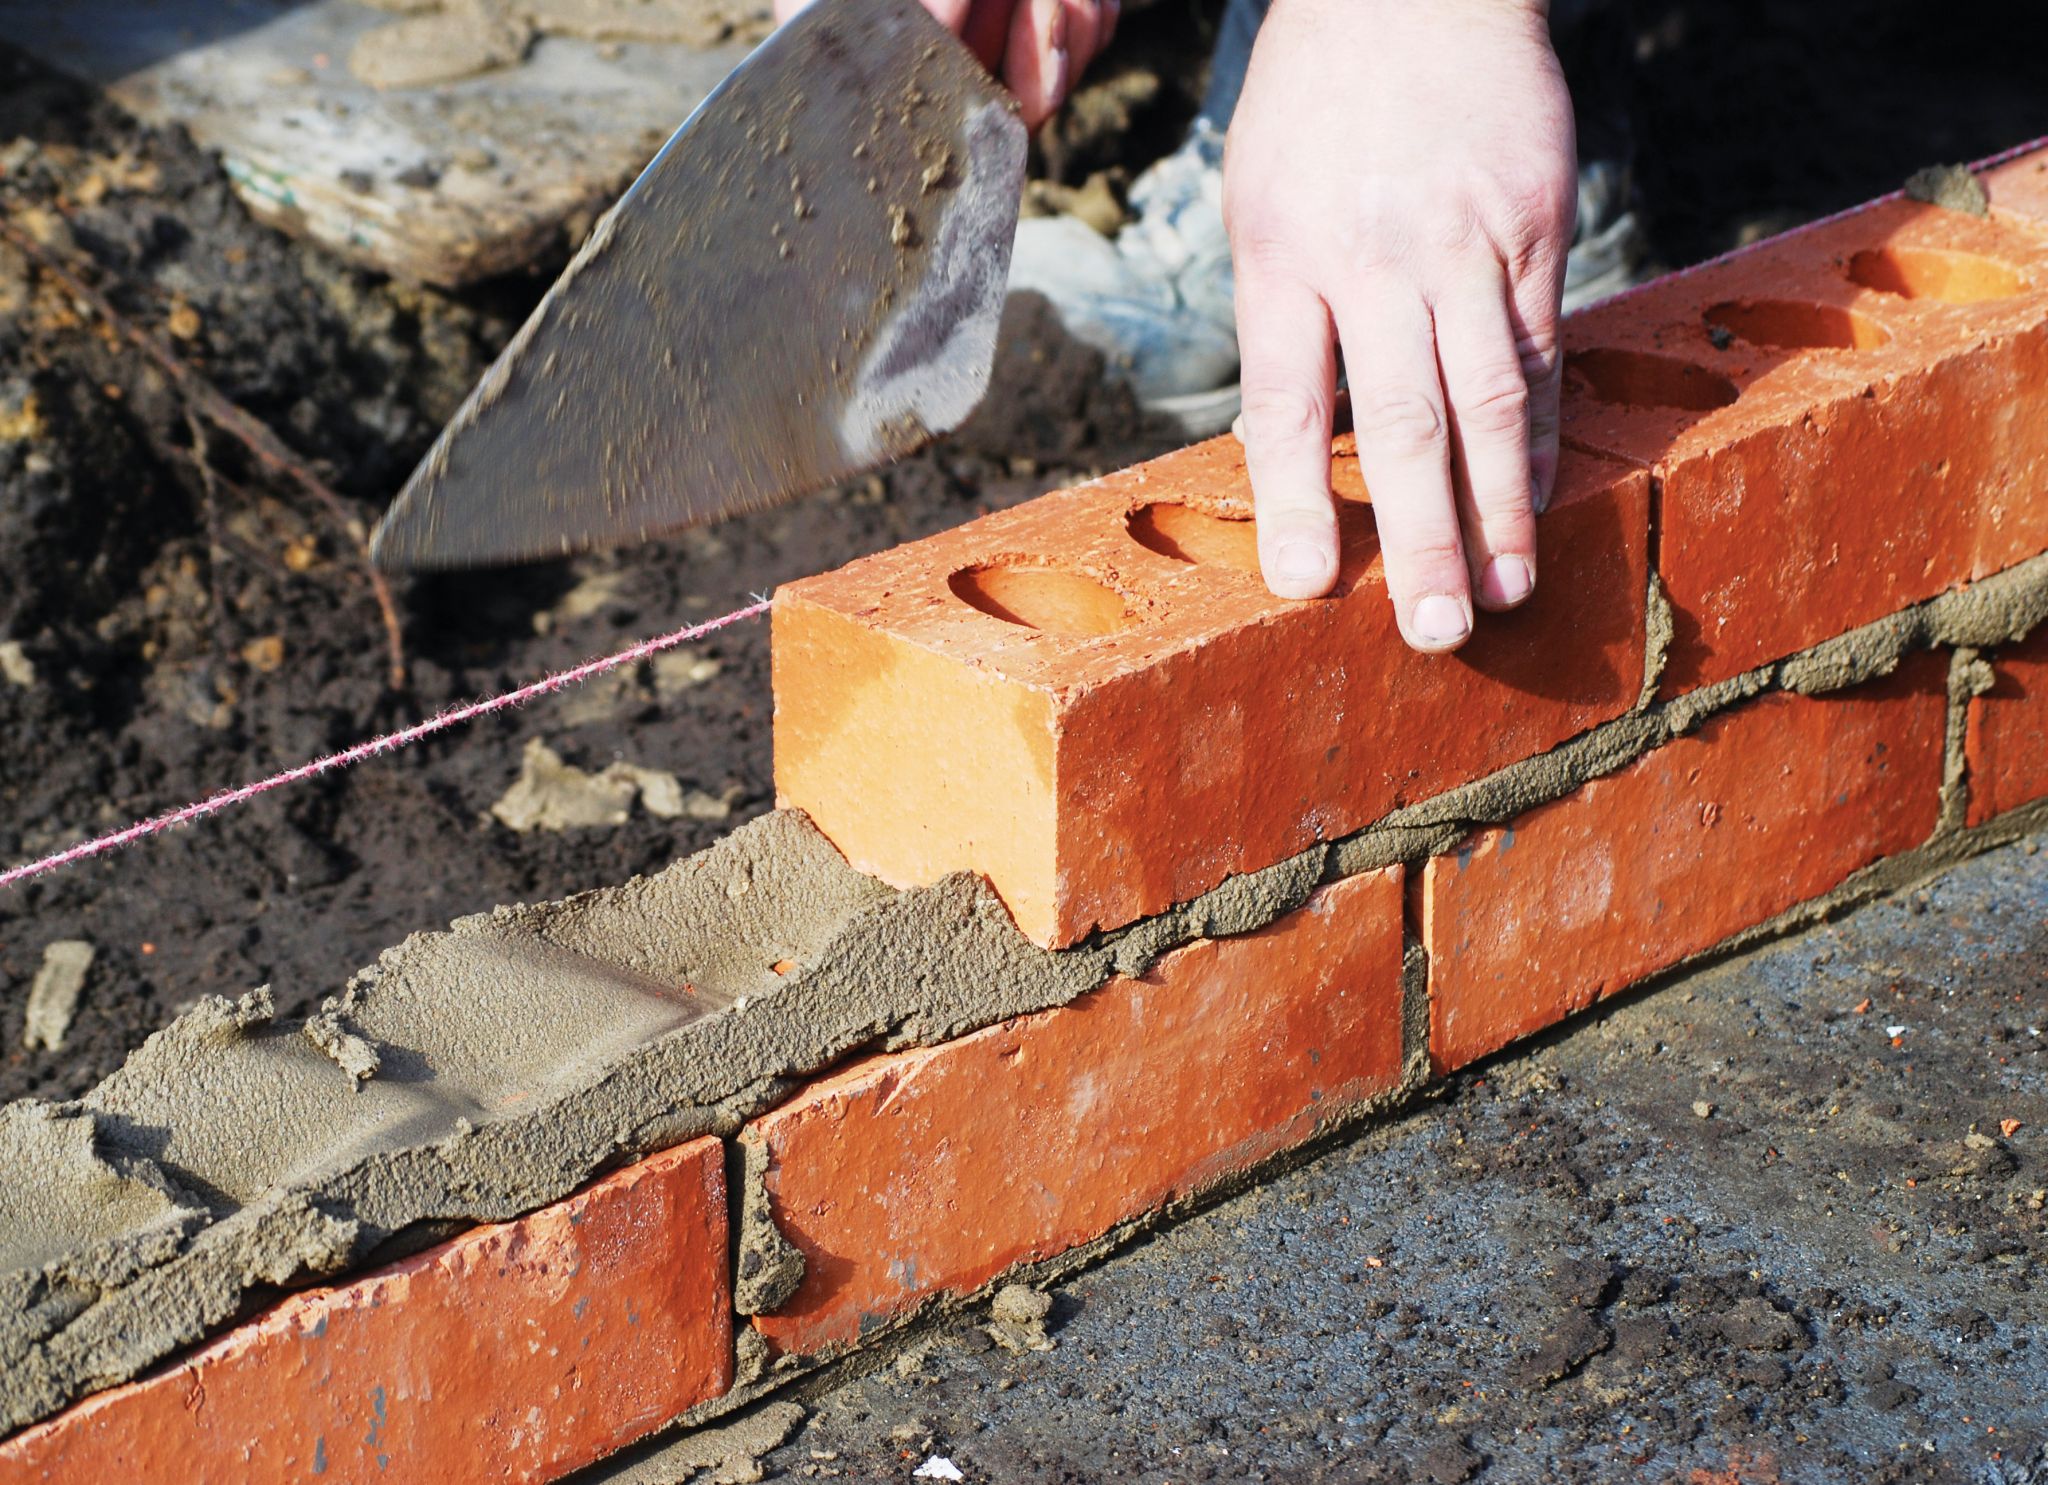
1786 652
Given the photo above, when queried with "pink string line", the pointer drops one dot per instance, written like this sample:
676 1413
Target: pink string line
1976 167
390 742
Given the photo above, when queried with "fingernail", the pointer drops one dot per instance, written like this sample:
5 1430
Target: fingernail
1299 562
1506 581
1441 620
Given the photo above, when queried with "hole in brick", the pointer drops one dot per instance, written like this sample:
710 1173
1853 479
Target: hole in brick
1039 597
1189 535
1639 379
1935 273
1787 325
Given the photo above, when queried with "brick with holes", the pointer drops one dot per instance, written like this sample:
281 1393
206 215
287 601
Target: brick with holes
1092 700
1842 421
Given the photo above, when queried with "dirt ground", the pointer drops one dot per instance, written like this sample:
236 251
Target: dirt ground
190 621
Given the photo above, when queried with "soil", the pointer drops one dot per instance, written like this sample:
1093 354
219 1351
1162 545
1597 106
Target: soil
179 643
185 633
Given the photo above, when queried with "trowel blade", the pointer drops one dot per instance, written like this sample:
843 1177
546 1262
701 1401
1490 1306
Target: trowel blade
803 285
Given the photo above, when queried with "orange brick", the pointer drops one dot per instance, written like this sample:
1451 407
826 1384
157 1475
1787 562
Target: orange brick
922 1172
514 1352
1841 422
1093 701
2006 746
2018 189
1759 809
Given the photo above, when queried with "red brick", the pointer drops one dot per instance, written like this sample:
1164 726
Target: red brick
1884 433
1169 722
1759 809
917 1173
513 1352
2018 190
2006 746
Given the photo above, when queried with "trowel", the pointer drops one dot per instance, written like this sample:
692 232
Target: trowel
803 285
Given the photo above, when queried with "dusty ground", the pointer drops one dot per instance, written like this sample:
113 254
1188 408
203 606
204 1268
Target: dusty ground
1733 1232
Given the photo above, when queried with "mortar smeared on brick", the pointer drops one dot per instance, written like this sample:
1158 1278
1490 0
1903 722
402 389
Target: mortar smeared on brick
515 1056
494 1068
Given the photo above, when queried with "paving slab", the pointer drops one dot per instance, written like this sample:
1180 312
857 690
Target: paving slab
1779 1220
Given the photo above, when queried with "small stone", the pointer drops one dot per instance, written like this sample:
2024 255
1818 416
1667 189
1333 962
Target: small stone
15 666
552 795
1951 187
1702 1108
265 654
53 995
1017 1319
681 670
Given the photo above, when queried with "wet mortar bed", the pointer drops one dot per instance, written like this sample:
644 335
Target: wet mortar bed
1761 1224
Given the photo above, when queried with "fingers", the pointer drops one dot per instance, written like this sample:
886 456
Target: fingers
1050 42
1289 373
1487 395
1404 451
984 25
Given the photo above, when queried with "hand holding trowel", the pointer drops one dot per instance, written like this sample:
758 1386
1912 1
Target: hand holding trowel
805 284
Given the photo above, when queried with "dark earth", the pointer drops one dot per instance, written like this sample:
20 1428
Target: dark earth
193 620
1733 1231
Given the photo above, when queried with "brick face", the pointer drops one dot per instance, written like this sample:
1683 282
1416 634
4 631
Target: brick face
1864 423
2007 742
922 1172
514 1352
1096 774
1759 809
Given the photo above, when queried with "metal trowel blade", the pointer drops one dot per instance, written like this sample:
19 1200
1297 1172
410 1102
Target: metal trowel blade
804 284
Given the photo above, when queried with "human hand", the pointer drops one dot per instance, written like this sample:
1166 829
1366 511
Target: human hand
1038 48
1400 179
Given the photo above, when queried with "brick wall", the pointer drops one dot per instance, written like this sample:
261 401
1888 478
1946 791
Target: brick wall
1808 488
